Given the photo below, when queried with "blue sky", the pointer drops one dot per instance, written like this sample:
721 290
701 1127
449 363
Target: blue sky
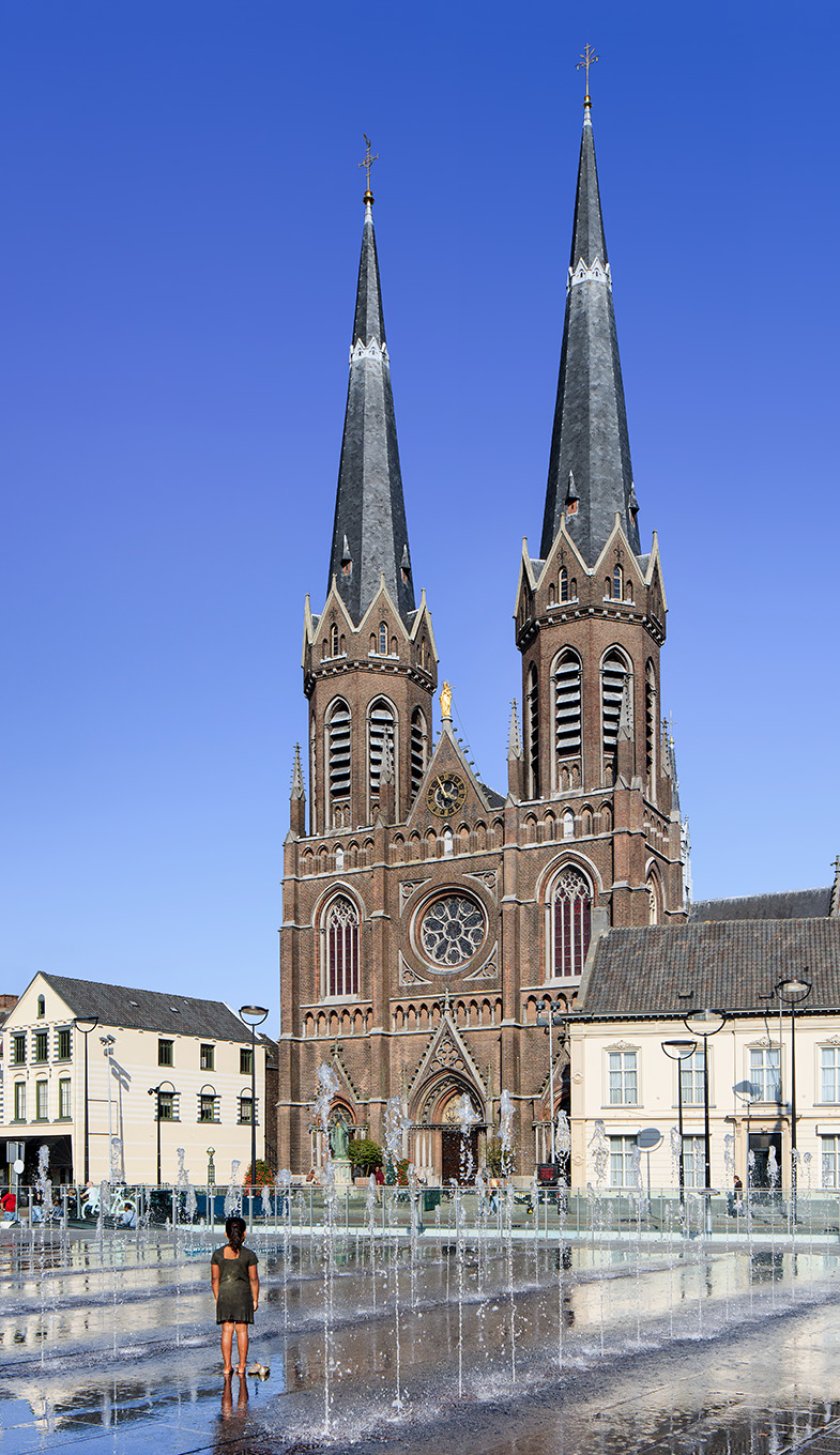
182 222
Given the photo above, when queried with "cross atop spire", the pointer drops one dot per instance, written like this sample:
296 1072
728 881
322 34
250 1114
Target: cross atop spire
587 59
367 162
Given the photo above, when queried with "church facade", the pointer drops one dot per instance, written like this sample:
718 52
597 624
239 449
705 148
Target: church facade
428 919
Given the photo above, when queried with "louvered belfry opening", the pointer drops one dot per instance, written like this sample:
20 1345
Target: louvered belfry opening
613 677
567 705
532 733
342 947
381 730
651 728
338 752
572 923
419 749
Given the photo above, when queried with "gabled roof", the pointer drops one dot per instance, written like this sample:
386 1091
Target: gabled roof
790 904
590 446
729 965
370 536
149 1010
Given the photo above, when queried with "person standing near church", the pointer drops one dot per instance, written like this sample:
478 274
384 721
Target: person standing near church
235 1282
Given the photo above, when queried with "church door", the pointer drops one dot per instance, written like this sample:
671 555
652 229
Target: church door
452 1148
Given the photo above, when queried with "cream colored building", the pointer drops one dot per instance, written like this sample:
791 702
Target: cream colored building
638 989
163 1070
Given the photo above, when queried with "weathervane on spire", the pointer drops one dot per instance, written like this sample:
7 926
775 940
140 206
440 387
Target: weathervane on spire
587 59
367 163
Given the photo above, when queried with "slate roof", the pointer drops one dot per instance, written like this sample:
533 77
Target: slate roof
149 1010
370 526
590 436
729 965
792 904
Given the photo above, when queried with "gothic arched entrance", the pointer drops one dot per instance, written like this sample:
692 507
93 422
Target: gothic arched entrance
449 1127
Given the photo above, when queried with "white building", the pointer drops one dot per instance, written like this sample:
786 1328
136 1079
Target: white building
163 1071
638 990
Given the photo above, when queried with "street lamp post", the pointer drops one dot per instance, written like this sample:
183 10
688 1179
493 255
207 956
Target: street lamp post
549 1018
253 1016
793 992
679 1051
108 1043
85 1024
705 1023
155 1092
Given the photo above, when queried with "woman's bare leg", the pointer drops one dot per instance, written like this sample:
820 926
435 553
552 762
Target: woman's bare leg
227 1346
242 1346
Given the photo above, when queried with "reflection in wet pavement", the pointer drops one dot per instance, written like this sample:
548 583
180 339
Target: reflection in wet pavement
681 1348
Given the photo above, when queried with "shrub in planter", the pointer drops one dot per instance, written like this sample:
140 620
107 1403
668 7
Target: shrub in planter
365 1156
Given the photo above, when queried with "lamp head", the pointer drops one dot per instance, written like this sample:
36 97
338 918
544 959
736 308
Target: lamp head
793 989
679 1050
86 1023
253 1015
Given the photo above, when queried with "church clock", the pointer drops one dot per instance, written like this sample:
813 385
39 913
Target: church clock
446 794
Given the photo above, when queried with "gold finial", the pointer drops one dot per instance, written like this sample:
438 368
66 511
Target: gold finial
588 58
446 702
367 163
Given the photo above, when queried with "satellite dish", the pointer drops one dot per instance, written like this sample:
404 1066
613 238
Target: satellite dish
17 1166
648 1138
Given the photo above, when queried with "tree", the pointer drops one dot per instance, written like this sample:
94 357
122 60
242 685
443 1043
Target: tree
365 1156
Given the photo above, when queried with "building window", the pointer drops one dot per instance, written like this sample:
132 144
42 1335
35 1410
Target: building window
41 1107
248 1112
765 1072
568 824
42 1046
341 948
614 675
208 1106
63 1044
571 923
419 748
333 640
207 1058
691 1071
19 1048
245 1059
653 903
381 743
624 1078
167 1106
532 733
42 1007
830 1159
651 728
383 639
624 1161
617 583
64 1110
694 1161
830 1073
20 1101
166 1053
338 754
567 705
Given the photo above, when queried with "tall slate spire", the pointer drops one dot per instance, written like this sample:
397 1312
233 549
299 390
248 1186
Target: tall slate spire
589 475
370 538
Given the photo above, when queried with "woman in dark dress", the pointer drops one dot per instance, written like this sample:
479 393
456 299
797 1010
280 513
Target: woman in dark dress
236 1289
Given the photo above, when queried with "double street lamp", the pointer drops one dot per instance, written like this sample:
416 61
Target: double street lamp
679 1051
84 1024
550 1017
253 1016
793 992
155 1091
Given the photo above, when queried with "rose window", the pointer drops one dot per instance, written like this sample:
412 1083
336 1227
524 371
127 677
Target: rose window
452 930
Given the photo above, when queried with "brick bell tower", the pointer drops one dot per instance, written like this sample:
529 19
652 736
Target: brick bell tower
590 619
369 674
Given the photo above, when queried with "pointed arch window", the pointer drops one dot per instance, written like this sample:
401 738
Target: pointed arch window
653 903
617 582
567 705
651 728
564 584
571 923
532 733
383 639
381 735
614 675
340 953
333 640
419 749
338 753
